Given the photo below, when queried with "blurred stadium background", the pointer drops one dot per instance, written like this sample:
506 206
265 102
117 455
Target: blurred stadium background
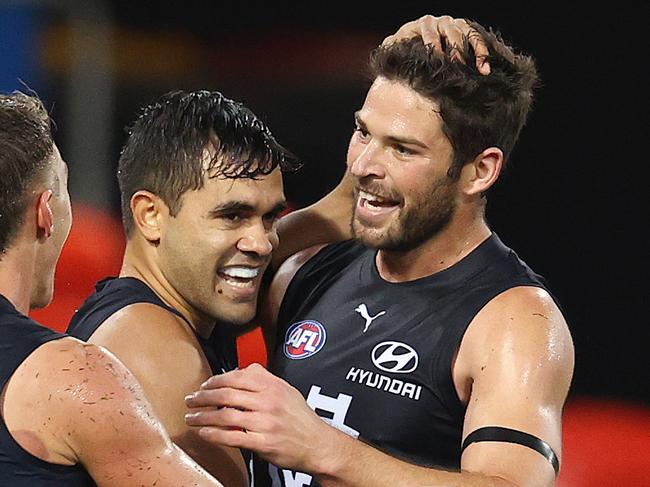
571 204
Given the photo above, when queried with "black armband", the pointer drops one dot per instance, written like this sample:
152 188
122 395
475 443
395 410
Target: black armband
507 435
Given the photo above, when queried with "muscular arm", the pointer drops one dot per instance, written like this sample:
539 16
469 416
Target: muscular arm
163 354
71 402
513 369
327 220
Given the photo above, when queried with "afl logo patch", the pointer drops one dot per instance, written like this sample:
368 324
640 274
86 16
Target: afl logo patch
304 339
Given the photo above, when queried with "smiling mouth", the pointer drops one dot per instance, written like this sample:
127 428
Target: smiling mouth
374 203
240 276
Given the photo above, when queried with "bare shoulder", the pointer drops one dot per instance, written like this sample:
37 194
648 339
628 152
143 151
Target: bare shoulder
527 311
144 320
522 324
103 393
80 404
77 387
78 373
163 353
63 361
151 341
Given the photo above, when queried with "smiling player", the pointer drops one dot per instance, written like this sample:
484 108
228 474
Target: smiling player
201 185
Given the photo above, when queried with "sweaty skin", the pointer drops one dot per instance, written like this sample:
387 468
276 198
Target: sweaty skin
72 402
185 260
513 367
69 402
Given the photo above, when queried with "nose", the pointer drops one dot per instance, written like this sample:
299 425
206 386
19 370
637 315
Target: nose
257 239
367 161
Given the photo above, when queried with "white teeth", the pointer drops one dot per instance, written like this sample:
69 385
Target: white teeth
368 196
242 272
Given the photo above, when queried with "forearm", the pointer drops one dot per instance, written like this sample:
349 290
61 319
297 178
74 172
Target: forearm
327 220
352 463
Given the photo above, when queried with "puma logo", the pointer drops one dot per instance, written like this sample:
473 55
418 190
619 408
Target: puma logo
362 309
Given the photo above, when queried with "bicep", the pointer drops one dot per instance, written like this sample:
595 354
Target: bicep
116 434
521 358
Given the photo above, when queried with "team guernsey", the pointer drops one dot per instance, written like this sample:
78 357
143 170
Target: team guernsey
112 294
374 358
20 337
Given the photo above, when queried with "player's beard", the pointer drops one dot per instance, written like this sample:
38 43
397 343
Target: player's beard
426 214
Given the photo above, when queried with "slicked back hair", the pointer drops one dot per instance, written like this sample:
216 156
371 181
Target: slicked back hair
26 146
478 111
164 153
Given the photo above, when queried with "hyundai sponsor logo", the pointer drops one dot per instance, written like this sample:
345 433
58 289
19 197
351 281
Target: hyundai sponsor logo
384 383
395 357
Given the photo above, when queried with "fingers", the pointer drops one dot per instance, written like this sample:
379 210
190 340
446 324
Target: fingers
253 378
424 27
448 30
428 26
445 31
480 52
223 397
225 418
246 389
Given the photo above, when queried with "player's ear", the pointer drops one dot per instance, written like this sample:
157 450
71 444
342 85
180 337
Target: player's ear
44 218
480 174
149 213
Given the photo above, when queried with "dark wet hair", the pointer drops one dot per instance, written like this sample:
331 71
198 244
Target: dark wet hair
165 148
26 146
477 111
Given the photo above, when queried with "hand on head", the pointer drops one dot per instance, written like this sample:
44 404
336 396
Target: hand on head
441 31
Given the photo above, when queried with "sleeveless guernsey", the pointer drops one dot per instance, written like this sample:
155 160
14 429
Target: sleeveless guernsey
374 358
20 336
112 294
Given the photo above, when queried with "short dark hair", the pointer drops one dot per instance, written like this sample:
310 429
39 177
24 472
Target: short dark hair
478 111
165 147
26 146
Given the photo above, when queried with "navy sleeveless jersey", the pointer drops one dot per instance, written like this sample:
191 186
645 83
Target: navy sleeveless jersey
20 336
112 294
374 358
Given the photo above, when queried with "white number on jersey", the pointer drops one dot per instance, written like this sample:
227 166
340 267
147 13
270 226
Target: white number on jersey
336 409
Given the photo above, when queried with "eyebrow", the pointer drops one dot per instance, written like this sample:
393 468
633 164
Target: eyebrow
234 206
393 139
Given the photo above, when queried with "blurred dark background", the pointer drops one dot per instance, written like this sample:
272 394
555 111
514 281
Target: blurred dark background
573 203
